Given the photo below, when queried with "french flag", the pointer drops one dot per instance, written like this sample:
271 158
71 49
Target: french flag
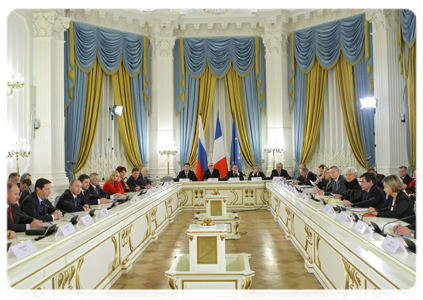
201 165
219 157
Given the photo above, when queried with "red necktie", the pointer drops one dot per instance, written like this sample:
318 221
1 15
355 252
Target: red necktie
10 213
279 172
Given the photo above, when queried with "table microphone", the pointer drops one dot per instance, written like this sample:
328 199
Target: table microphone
385 208
381 232
355 203
73 220
314 198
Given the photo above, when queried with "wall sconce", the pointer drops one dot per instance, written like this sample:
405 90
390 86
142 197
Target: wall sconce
273 147
115 110
16 82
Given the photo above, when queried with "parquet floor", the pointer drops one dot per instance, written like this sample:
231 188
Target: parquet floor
274 259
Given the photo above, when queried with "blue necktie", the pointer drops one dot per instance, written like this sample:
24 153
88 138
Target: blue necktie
42 206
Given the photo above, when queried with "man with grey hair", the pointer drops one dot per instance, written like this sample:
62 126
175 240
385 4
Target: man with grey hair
95 189
25 176
143 180
14 177
338 183
279 172
352 186
256 172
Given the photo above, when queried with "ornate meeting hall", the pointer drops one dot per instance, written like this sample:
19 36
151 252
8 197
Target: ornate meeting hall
217 149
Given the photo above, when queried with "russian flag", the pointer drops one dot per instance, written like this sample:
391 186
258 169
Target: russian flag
201 165
219 157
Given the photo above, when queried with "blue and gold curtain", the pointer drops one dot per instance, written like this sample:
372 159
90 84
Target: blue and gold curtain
313 51
240 62
89 53
407 59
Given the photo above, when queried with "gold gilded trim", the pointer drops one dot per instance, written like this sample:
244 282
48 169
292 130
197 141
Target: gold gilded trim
211 252
130 237
214 297
173 284
207 201
42 296
186 197
309 237
78 274
236 227
353 275
222 237
115 261
246 284
126 260
65 278
293 225
317 258
246 193
196 194
191 237
252 193
236 197
262 196
288 218
201 193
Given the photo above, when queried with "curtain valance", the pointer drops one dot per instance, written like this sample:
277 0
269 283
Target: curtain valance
327 40
110 46
408 26
219 52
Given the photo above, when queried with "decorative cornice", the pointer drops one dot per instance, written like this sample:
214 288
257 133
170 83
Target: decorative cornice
383 19
277 44
162 46
50 24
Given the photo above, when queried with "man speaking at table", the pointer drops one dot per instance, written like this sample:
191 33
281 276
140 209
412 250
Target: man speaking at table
187 173
71 200
211 173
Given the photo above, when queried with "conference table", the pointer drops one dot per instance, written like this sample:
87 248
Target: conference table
94 256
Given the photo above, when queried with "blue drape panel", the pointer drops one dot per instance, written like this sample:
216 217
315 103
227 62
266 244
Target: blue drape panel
253 114
366 115
218 52
408 25
325 41
110 45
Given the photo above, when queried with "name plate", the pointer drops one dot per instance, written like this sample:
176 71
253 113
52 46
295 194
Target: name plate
184 180
154 189
344 217
392 245
172 182
256 179
160 187
416 265
362 227
166 184
277 178
234 179
65 230
213 179
135 198
150 192
104 213
22 249
328 209
85 220
285 185
303 196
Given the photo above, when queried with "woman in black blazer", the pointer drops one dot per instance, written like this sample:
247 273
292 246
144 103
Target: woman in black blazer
400 204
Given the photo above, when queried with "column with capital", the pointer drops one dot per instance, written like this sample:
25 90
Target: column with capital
162 133
390 132
48 78
279 129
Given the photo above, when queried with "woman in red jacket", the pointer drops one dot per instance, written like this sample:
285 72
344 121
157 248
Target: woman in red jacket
113 185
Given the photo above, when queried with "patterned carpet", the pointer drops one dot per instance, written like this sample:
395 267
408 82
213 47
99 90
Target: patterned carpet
274 259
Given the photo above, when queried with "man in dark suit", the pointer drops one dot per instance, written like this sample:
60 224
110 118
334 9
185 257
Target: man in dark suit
235 173
211 172
86 194
338 184
279 172
143 180
379 177
132 181
187 173
36 204
17 220
301 177
372 195
24 189
403 174
306 177
71 200
256 173
95 189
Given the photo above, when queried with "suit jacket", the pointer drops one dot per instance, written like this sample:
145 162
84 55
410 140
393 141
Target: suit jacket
32 207
24 194
144 181
69 203
284 173
259 174
403 207
352 190
324 183
87 197
191 175
207 174
407 179
20 219
97 192
231 174
132 182
306 180
375 192
336 187
126 187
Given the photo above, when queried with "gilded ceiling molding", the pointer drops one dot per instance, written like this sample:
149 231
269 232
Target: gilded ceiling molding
50 24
